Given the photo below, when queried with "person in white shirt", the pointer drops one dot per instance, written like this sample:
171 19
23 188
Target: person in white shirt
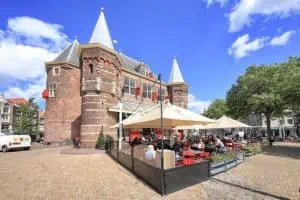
150 153
219 144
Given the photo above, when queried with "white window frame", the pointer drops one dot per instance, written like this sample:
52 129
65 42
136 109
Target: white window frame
5 118
6 125
4 110
52 90
147 91
131 86
53 70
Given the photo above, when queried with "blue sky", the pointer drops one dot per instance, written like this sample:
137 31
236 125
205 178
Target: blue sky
214 40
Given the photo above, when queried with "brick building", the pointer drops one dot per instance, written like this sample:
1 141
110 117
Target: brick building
87 82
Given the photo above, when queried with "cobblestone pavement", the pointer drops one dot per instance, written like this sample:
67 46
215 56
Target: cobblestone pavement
47 174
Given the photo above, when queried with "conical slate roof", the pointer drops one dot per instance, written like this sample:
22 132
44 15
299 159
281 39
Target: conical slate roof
101 32
69 55
175 75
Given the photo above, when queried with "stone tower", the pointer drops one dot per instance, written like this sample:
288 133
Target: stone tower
63 106
177 88
100 84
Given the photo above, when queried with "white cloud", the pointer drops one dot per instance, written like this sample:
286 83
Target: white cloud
24 48
242 14
243 46
31 90
210 2
36 32
197 105
282 39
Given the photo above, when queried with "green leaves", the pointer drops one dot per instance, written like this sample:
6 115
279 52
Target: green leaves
26 122
217 109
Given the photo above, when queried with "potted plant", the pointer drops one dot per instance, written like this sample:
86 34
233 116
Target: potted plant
101 141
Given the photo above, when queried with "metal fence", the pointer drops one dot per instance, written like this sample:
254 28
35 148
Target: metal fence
164 181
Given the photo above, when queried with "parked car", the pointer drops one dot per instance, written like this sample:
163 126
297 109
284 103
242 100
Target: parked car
9 142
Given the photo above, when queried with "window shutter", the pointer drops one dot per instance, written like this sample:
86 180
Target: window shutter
45 94
137 91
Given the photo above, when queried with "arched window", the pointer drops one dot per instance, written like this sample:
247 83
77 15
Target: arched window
91 68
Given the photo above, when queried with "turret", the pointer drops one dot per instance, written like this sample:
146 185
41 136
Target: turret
100 84
63 101
177 88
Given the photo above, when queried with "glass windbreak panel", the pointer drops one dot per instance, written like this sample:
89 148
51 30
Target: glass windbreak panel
125 148
147 154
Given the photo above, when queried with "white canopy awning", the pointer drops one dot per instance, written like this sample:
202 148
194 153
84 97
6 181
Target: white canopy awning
226 122
172 116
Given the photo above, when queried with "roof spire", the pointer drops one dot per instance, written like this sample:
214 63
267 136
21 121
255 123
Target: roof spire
175 75
101 32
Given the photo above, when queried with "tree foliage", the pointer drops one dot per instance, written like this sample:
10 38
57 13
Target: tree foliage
217 109
257 91
27 118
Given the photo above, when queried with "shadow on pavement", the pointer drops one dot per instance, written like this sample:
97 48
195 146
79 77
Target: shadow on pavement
250 189
283 150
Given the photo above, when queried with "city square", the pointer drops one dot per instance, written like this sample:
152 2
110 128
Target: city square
47 174
117 100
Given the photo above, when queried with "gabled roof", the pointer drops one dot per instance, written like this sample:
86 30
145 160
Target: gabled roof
101 32
18 101
175 75
69 55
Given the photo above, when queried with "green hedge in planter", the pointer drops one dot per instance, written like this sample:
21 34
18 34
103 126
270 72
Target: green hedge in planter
255 149
222 157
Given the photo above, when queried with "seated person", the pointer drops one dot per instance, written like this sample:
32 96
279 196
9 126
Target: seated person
210 147
219 144
176 148
198 146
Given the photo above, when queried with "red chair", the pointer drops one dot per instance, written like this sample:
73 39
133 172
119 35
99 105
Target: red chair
188 158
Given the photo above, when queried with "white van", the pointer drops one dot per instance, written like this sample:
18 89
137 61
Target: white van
8 142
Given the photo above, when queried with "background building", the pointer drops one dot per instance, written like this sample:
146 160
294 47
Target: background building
86 83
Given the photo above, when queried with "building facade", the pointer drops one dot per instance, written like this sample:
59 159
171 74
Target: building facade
284 126
87 83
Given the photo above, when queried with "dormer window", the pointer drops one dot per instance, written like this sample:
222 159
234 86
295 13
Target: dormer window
142 69
56 71
91 68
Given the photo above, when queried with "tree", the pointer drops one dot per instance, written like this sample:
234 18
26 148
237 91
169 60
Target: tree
101 141
27 115
257 91
288 82
217 109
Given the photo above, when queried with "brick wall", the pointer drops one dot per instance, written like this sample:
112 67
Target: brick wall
62 118
178 94
100 90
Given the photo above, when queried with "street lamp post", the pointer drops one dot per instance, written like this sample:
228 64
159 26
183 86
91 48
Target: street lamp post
162 135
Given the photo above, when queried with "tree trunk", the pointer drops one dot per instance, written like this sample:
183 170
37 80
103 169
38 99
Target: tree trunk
269 131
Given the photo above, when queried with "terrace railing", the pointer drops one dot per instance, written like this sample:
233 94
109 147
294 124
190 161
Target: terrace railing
164 181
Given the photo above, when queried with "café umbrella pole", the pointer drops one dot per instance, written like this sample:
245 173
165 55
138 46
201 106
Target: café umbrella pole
162 137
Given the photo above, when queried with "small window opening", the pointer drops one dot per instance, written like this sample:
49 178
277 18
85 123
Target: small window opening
91 68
